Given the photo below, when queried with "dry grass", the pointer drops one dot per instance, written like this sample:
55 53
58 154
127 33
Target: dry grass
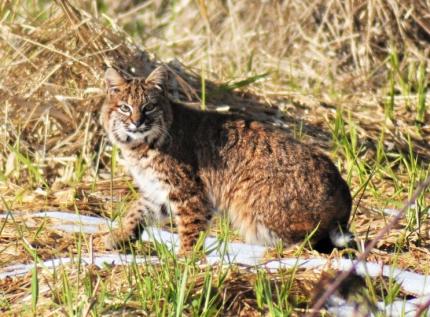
348 76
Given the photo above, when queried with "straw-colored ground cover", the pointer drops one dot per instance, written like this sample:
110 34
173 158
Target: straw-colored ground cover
348 76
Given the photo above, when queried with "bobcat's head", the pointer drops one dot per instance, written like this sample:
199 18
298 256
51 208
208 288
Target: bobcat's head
136 111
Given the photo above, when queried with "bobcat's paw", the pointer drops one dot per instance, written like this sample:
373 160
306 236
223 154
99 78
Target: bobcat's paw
117 239
192 254
183 253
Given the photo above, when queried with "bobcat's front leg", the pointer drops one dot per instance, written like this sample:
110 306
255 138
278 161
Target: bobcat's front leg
192 215
143 212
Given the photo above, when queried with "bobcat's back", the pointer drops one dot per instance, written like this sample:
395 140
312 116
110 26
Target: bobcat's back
272 186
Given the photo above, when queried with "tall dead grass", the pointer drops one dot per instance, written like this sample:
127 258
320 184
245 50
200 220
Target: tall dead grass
306 58
53 56
311 45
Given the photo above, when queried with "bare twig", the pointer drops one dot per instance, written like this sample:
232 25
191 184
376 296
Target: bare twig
337 282
422 308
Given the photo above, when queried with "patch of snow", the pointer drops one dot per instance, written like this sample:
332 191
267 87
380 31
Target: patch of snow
240 253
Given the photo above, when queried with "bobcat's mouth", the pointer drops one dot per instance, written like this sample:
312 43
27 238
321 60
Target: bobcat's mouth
133 128
137 135
137 131
143 133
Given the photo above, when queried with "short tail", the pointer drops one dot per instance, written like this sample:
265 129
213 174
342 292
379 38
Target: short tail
341 237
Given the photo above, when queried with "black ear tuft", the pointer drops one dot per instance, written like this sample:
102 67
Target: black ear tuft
113 78
157 79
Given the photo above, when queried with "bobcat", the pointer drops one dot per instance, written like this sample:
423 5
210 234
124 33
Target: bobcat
189 164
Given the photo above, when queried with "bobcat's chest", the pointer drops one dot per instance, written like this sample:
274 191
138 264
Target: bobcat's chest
149 181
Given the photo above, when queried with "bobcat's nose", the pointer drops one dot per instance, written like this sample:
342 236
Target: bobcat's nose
137 122
132 127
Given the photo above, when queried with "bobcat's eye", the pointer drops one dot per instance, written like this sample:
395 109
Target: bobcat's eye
150 107
114 90
125 108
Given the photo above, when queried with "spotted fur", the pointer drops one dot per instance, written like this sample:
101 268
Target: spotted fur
188 163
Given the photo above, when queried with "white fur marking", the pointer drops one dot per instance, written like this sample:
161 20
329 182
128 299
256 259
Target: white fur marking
150 185
340 239
156 192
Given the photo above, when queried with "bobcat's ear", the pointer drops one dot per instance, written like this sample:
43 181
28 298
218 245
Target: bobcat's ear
157 78
113 79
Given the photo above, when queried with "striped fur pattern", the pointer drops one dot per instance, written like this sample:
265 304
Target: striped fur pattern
189 164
